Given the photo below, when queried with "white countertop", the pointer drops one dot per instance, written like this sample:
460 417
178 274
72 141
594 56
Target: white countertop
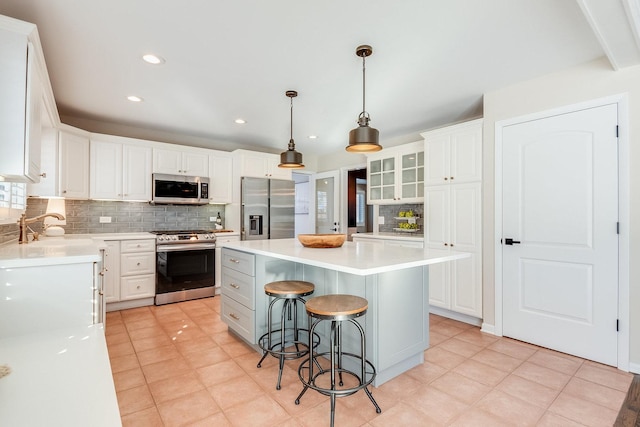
361 258
59 378
390 236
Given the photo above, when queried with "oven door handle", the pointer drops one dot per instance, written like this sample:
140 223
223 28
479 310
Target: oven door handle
186 247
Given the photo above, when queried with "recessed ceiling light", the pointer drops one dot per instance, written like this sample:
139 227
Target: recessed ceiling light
313 136
134 98
153 59
240 121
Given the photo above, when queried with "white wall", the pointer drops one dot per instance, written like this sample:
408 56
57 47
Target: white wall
589 81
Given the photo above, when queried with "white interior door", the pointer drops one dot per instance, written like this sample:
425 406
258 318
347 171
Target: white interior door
560 208
327 201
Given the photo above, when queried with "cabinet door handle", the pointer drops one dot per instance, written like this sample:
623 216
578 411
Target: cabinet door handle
234 260
43 175
234 286
451 178
451 245
138 264
233 316
446 179
446 244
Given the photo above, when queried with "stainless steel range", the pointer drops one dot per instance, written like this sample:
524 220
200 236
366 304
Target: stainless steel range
185 265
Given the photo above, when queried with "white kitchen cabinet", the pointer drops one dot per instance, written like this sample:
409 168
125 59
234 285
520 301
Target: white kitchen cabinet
220 177
454 154
238 308
21 86
120 171
74 165
453 215
397 175
180 162
48 185
261 165
130 278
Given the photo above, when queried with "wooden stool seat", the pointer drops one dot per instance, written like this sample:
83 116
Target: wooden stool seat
284 288
337 305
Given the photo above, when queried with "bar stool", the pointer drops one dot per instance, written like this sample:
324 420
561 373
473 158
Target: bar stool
285 343
338 309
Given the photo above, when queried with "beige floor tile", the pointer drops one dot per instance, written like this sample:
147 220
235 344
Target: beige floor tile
287 395
478 418
146 418
237 349
220 372
215 420
436 338
462 348
121 349
596 393
549 419
513 348
582 411
480 372
446 329
267 376
188 409
158 354
461 387
171 318
175 387
143 323
112 317
120 338
510 409
474 336
402 415
134 400
151 343
187 334
528 391
555 361
320 415
434 319
236 391
401 386
439 406
262 411
123 363
118 328
199 359
203 343
136 314
542 375
497 360
442 357
131 378
165 369
141 333
426 372
616 380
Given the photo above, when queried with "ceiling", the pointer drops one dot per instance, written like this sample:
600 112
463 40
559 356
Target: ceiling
432 61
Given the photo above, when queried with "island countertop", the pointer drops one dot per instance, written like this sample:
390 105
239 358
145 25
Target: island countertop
361 258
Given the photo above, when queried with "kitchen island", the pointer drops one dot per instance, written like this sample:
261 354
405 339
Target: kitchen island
395 281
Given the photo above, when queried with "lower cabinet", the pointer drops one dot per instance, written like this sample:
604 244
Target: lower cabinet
238 293
220 240
130 279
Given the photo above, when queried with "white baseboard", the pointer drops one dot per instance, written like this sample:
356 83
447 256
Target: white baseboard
488 329
634 368
465 318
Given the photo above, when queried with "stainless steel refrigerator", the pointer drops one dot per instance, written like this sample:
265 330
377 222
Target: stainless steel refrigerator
267 208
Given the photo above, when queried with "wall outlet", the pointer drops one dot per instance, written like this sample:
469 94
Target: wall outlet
105 219
380 220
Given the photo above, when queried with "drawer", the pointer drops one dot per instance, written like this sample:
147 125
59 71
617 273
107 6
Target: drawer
239 318
221 240
132 264
239 286
137 287
239 261
146 245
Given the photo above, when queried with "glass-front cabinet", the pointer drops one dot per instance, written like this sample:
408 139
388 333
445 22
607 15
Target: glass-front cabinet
396 175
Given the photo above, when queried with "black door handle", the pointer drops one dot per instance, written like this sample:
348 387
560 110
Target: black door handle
509 241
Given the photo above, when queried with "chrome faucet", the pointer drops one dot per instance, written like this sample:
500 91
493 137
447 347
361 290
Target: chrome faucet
24 222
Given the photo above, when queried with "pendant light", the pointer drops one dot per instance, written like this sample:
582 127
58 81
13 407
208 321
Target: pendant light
363 138
291 159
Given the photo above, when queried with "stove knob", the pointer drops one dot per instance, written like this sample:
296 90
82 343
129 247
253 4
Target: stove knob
174 237
160 238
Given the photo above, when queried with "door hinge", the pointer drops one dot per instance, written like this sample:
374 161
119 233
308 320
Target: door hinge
617 227
617 325
617 131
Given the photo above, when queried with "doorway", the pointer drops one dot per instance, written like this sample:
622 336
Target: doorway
559 260
359 214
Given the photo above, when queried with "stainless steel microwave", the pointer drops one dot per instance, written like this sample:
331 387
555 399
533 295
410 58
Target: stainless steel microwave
180 190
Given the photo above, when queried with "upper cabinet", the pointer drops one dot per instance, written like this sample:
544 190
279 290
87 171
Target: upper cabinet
24 89
260 165
396 175
454 154
119 171
74 165
220 177
181 162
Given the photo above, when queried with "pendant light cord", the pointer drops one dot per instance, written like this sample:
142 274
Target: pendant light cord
363 84
291 143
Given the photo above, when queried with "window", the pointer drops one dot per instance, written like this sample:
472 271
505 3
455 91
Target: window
12 201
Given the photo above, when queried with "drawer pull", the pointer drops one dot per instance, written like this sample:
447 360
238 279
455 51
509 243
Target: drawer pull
234 260
234 286
138 287
233 316
138 264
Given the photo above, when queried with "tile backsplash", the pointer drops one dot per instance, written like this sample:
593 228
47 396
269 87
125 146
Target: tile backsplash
390 212
83 216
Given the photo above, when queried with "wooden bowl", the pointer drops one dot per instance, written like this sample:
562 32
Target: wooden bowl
322 240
